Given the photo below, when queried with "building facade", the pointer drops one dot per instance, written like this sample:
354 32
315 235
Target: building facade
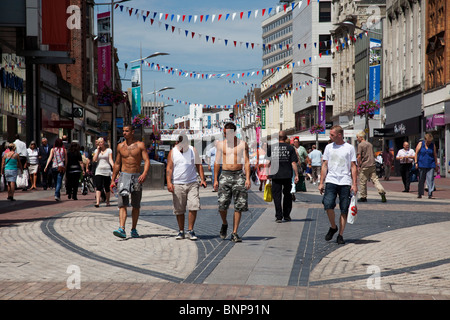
313 66
404 62
350 19
436 100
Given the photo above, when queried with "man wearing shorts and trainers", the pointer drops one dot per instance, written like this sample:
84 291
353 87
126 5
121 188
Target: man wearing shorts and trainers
339 173
183 163
232 154
130 154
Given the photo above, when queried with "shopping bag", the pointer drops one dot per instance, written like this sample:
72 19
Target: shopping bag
268 192
301 185
255 179
22 180
352 210
2 183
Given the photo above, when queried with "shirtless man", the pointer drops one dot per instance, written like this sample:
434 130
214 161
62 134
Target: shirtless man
232 154
130 154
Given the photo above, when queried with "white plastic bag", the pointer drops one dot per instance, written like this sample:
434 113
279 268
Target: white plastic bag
22 180
2 183
352 210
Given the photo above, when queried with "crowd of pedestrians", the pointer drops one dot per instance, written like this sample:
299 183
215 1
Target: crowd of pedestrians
340 172
46 166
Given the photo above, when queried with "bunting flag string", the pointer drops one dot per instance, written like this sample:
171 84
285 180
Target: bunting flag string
203 18
206 76
288 89
340 43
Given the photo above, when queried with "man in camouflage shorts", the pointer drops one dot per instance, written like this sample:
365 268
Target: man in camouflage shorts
232 154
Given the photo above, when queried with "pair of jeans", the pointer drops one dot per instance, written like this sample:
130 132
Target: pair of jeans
428 175
331 192
58 178
281 193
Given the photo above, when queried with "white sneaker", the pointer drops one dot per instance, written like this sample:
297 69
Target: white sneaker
191 235
180 235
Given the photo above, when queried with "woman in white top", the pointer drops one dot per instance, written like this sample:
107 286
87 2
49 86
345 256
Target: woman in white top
103 172
33 163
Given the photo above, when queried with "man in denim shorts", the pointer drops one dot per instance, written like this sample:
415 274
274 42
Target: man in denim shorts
232 154
339 173
130 154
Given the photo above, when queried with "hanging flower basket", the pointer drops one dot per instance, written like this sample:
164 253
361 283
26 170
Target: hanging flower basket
109 96
156 137
317 128
141 121
367 108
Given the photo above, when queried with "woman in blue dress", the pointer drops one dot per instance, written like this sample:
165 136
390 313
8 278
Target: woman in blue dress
426 159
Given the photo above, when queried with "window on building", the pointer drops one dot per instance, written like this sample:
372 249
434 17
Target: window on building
324 43
324 11
325 73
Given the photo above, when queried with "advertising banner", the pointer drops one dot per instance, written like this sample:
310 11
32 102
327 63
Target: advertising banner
104 50
135 91
374 71
322 112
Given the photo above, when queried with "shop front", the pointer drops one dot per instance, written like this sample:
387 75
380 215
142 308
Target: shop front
404 120
12 100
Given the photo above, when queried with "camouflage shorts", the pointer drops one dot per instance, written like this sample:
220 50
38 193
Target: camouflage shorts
232 185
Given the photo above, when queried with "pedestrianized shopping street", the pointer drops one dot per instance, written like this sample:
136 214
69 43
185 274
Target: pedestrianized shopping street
66 250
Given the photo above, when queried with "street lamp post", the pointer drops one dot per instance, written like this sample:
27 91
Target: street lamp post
317 108
154 98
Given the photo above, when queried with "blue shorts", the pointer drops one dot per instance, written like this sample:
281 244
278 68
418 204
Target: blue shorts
11 175
331 192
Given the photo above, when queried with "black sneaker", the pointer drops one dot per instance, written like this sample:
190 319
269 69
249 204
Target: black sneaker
223 231
362 200
340 239
330 233
235 237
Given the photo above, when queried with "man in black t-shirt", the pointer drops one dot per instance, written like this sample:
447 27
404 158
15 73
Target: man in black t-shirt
283 160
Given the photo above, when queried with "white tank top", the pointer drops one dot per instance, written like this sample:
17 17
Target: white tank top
184 169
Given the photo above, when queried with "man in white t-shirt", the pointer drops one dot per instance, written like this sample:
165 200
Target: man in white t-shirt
183 164
338 177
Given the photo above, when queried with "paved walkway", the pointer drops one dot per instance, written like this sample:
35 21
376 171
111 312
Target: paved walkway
395 250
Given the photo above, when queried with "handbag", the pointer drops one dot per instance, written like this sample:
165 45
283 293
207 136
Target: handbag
268 192
352 210
61 169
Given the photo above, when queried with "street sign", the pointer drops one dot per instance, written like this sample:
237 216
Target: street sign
263 117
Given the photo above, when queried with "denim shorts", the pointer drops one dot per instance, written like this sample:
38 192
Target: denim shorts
11 175
331 192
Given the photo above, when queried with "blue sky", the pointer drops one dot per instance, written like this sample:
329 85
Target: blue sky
191 54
